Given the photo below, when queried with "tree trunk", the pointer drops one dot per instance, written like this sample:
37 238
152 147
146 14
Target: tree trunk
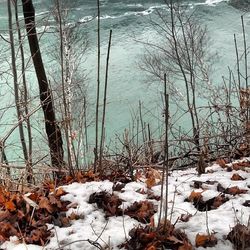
24 91
52 129
16 93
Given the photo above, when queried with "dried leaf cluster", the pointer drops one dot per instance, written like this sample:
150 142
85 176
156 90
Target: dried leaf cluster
26 216
151 238
240 236
110 203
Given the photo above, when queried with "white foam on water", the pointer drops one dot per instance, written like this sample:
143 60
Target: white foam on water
207 2
135 5
108 17
214 2
42 13
85 19
135 13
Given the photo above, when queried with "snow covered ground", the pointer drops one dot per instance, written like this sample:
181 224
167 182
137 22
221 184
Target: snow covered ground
93 226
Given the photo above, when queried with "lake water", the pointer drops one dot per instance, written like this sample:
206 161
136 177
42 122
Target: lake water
130 22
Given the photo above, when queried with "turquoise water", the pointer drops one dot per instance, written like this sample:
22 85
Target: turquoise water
130 22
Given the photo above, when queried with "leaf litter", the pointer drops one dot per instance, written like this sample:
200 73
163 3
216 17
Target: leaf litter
119 213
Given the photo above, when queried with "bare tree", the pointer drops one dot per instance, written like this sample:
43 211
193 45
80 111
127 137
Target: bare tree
98 85
52 129
16 93
24 88
181 54
70 95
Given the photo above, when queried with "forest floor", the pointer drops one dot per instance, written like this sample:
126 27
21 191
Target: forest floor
87 212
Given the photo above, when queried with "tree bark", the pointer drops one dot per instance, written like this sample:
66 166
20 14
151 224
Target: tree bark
52 129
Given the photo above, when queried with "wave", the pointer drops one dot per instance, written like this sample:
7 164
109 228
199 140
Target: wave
147 11
85 19
126 14
135 5
135 13
108 17
213 2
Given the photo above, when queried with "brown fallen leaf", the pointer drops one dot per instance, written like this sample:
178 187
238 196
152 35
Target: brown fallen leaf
153 172
141 211
150 182
26 215
203 240
195 196
49 185
4 215
74 216
54 201
219 200
2 197
38 235
153 177
7 230
9 205
237 177
65 221
60 192
161 237
213 203
33 196
241 165
44 203
186 246
221 162
108 202
235 190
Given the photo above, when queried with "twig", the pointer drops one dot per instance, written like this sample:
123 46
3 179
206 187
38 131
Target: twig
208 232
172 208
57 239
93 243
123 222
99 236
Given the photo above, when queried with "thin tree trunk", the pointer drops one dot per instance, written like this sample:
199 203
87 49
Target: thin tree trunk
52 129
98 84
64 74
25 90
16 92
176 48
246 80
4 157
237 62
245 51
166 158
104 102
